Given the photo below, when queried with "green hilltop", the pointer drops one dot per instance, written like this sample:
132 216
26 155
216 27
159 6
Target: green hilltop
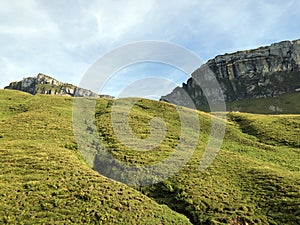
44 179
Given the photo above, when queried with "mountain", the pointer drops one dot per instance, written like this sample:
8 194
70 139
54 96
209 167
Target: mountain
44 179
43 84
263 73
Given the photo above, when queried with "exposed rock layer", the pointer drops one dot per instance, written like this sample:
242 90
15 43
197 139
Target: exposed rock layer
259 73
43 84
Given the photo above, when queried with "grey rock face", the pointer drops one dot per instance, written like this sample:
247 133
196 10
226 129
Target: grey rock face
263 72
44 79
43 84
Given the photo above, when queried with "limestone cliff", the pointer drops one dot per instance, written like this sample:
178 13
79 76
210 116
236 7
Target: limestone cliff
259 73
43 84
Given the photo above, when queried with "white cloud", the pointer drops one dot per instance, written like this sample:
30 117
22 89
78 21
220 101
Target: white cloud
62 38
118 18
25 20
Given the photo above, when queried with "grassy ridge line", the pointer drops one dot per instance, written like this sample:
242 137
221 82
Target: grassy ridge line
43 179
272 130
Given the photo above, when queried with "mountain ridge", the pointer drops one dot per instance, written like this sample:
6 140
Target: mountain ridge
268 71
44 84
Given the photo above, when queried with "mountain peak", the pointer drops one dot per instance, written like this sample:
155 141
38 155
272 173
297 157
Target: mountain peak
44 84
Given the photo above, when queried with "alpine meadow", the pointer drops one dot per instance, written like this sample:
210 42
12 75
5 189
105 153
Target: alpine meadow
44 179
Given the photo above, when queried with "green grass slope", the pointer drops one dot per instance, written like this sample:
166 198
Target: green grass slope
255 178
284 104
44 180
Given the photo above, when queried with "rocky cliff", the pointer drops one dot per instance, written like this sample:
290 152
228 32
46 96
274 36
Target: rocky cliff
259 73
43 84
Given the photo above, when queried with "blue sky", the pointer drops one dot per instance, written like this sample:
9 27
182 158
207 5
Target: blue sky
63 38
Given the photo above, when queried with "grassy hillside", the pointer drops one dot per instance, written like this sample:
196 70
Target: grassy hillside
284 104
255 179
43 179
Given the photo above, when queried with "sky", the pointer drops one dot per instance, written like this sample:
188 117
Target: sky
64 38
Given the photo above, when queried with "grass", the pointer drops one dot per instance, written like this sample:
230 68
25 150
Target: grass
44 180
284 104
255 178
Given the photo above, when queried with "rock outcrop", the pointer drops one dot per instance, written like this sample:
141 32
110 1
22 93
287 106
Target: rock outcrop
259 73
43 84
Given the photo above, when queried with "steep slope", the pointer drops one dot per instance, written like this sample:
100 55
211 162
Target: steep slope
43 179
264 72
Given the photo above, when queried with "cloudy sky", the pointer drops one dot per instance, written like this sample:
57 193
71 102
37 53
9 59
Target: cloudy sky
63 38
